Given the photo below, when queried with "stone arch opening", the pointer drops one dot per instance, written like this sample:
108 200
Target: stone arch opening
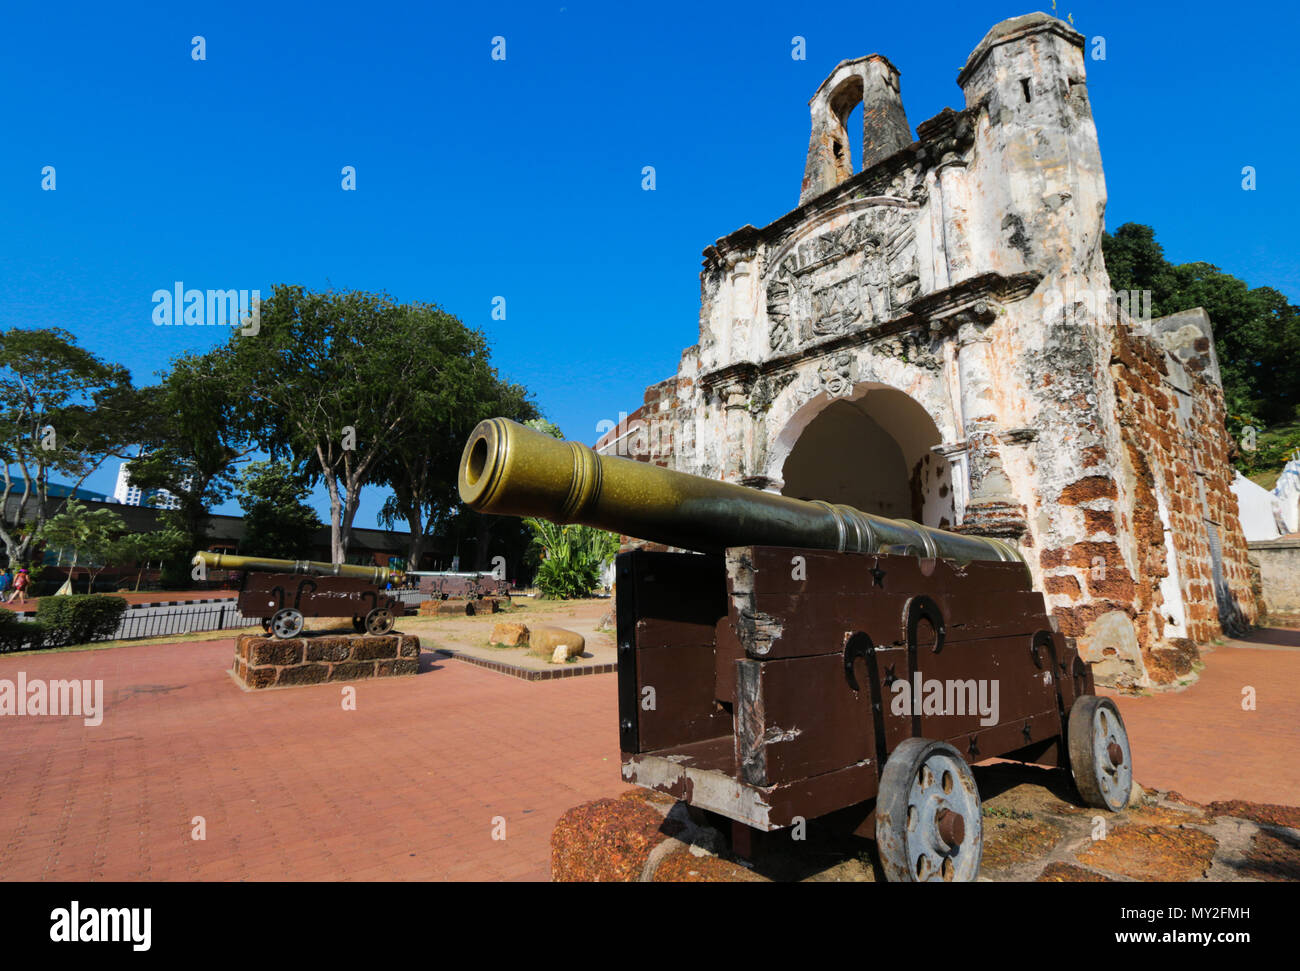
873 451
844 103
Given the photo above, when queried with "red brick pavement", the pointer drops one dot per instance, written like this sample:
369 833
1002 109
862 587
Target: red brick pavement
406 787
293 787
1200 742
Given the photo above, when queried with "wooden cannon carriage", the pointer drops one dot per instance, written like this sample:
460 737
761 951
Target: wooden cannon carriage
461 585
812 658
283 593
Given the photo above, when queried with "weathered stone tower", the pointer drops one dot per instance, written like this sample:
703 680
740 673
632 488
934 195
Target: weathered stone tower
934 337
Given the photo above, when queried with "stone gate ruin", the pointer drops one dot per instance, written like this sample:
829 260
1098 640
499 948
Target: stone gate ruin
934 338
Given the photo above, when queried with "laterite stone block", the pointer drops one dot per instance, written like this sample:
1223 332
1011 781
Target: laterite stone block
277 652
333 650
375 649
352 671
263 662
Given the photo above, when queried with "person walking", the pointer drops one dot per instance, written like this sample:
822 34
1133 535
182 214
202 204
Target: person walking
5 581
21 582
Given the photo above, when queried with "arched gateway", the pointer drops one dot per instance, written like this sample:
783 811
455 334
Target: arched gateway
933 338
874 449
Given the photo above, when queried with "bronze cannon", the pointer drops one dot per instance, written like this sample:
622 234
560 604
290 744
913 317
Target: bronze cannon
811 660
285 592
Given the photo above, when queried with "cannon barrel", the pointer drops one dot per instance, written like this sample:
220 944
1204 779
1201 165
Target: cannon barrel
228 561
507 469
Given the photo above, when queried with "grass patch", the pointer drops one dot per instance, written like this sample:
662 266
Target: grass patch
1001 813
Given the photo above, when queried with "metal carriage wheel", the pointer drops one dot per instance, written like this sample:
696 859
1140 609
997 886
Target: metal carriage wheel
1100 759
379 621
287 623
929 820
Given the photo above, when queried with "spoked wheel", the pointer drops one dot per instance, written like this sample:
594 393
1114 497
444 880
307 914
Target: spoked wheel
379 621
358 623
1100 759
929 824
286 623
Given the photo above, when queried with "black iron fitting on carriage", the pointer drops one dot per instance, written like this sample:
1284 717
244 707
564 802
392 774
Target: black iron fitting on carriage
813 659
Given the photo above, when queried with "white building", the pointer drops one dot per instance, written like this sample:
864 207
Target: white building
1287 491
132 495
1260 511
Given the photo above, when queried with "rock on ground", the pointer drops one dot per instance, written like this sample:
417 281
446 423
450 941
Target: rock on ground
508 634
557 643
1035 829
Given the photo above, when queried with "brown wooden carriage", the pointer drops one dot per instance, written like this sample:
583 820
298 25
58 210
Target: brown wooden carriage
283 593
812 659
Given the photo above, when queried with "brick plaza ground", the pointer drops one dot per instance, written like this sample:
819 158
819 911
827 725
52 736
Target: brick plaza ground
1201 743
408 786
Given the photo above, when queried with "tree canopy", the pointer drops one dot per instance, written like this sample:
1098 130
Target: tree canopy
62 410
199 435
88 534
1256 330
277 520
353 388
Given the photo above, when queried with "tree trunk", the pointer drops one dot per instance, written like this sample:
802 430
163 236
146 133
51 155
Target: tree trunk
350 503
349 513
416 549
337 550
482 539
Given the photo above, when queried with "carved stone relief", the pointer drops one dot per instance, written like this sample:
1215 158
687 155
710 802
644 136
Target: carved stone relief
856 276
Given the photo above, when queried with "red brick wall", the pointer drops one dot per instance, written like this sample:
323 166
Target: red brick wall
1180 456
1162 450
653 432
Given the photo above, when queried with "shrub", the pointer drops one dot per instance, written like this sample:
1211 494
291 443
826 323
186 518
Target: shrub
20 635
572 558
79 618
175 575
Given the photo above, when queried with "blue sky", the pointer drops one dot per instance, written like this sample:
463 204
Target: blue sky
522 178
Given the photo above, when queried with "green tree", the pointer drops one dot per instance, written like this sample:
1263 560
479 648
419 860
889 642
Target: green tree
89 534
337 378
423 461
62 410
544 426
277 520
1256 331
200 435
141 549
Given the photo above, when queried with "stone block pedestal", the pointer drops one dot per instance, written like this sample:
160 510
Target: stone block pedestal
265 662
468 608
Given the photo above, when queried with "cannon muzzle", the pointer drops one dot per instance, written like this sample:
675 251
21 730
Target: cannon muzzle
262 564
508 469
